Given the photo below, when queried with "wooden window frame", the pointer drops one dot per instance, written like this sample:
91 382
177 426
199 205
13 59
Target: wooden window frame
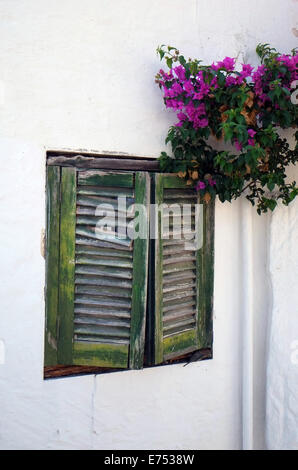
106 161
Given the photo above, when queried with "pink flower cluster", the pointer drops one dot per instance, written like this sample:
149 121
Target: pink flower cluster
261 78
187 95
184 96
251 133
228 65
250 140
203 185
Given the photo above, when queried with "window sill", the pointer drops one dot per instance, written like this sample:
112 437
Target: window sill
53 372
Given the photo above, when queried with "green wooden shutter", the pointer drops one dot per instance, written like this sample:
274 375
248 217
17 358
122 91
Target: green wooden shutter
52 264
183 276
102 282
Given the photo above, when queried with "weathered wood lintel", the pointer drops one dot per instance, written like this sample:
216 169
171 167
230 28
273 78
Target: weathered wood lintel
103 162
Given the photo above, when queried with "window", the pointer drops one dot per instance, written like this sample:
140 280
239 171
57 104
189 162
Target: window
115 301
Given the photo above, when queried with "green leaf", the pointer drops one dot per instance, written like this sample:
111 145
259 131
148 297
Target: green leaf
169 62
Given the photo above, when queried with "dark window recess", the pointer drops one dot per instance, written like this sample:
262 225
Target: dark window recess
114 303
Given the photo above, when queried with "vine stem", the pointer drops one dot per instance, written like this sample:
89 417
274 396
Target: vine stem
247 186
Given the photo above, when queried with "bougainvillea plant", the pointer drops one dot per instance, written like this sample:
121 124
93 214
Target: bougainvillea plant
244 108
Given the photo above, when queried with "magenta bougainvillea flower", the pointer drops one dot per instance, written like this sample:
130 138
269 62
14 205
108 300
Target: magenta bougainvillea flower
251 133
228 64
180 72
200 185
238 146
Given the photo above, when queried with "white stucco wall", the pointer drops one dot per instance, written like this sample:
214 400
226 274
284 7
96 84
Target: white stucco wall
282 384
79 75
